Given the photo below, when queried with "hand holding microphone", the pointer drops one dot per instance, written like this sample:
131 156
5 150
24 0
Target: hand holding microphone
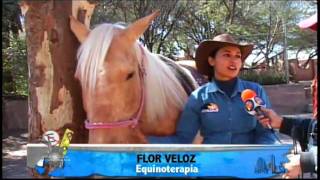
271 118
255 106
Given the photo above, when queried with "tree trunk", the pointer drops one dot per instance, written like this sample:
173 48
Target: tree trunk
55 100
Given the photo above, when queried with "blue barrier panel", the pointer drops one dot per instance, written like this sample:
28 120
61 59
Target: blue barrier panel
241 161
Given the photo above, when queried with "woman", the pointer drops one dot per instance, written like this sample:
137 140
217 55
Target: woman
216 108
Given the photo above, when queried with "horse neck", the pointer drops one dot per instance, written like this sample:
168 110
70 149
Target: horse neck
165 124
124 135
115 135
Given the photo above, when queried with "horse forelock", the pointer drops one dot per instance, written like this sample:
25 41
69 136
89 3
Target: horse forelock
92 53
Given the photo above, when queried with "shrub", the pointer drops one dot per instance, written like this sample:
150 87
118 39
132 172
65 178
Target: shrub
15 67
268 77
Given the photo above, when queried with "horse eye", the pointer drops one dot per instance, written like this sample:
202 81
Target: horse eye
130 75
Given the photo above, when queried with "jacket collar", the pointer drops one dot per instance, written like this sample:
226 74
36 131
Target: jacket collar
214 88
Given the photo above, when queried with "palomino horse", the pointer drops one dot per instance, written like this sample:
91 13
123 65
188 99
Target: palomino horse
128 92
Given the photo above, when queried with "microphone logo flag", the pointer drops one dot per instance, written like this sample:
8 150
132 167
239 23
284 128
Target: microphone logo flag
252 101
259 101
249 105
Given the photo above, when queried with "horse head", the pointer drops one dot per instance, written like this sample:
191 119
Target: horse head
128 92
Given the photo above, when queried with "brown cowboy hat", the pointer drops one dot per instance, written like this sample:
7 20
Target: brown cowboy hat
208 46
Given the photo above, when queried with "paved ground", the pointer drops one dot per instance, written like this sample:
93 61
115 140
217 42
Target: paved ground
14 155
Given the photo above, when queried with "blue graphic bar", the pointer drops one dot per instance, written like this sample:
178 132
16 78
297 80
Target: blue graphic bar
240 161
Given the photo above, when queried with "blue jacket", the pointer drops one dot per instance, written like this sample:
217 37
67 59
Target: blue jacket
220 118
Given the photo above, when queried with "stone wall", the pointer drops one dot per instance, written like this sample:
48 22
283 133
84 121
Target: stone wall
286 99
14 113
302 74
289 99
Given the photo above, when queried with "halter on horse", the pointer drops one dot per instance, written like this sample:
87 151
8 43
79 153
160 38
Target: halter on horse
128 92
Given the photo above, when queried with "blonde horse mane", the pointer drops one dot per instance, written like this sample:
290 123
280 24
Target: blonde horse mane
163 90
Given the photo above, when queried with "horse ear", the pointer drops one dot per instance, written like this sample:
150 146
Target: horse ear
79 29
136 29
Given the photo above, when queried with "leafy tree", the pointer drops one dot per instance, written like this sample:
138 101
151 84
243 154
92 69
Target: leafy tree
128 11
257 22
15 68
263 24
14 51
181 26
11 23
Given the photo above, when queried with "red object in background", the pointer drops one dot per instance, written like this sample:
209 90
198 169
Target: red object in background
311 23
314 87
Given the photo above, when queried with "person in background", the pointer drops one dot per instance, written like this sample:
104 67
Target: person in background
304 130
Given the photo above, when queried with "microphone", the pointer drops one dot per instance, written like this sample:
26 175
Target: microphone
253 103
253 106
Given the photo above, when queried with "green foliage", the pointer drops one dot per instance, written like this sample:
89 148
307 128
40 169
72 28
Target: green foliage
127 11
268 77
15 68
10 20
182 25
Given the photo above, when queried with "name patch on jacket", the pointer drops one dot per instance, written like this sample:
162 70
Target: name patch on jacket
210 107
